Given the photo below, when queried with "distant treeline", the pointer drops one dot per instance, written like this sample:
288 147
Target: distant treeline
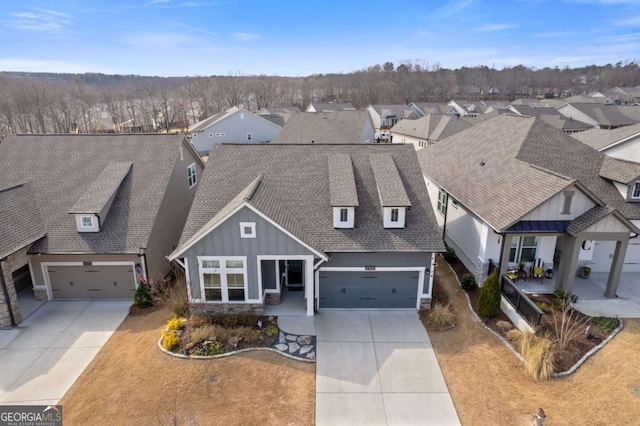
91 102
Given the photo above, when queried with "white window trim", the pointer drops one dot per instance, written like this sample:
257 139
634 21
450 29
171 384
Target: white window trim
397 214
346 215
190 167
520 245
223 271
82 221
243 226
633 189
442 203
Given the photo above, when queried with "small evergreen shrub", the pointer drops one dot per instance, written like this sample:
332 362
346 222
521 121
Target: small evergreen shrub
450 255
605 324
272 329
542 306
489 299
142 298
468 282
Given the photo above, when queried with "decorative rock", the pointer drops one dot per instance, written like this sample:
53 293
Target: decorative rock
305 349
293 347
282 347
291 338
281 338
304 340
311 355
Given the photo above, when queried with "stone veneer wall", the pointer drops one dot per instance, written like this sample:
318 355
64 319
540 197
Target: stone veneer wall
12 263
272 298
425 304
226 308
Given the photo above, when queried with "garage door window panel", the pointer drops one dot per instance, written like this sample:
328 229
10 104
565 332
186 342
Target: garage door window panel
224 279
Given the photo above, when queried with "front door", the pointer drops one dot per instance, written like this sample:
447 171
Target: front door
293 274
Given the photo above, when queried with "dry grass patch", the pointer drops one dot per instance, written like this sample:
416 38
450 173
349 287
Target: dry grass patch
131 382
489 385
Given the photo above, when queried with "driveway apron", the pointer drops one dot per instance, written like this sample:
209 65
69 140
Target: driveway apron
378 368
42 357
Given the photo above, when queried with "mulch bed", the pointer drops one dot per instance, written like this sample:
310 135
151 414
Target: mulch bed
564 358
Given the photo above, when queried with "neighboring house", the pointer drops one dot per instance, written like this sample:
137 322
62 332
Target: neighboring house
386 116
348 225
622 143
426 108
625 95
467 109
514 189
552 117
329 107
345 127
427 130
596 115
80 213
235 125
278 115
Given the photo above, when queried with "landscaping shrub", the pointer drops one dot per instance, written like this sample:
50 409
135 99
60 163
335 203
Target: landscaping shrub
175 324
542 306
246 334
450 255
180 306
170 339
605 324
538 355
468 282
568 325
196 321
207 332
231 321
504 325
142 297
272 329
489 299
514 335
441 316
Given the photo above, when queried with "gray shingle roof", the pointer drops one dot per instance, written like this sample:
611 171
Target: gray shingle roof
399 111
20 219
102 188
60 169
601 138
342 183
295 192
432 127
479 168
322 107
588 218
390 187
605 115
619 170
337 127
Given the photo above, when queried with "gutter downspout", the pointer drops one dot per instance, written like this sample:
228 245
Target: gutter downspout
446 212
6 297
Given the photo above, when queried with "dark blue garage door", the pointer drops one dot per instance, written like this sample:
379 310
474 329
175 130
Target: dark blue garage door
368 290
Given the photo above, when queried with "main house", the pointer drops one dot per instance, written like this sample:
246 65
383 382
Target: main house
88 216
514 189
348 226
235 125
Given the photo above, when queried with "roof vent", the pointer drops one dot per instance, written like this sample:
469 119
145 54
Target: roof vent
482 163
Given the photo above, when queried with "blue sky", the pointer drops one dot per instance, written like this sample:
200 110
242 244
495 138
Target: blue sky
299 38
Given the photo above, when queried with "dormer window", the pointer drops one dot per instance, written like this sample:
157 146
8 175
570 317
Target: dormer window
635 191
343 217
394 217
86 221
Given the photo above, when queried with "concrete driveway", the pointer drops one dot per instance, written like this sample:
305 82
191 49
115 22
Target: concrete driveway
45 354
378 368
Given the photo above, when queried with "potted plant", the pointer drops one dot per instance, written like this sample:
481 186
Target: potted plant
585 272
521 266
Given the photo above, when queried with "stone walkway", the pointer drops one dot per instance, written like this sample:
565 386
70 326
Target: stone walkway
296 346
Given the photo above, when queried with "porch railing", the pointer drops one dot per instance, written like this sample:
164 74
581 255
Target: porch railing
492 266
525 307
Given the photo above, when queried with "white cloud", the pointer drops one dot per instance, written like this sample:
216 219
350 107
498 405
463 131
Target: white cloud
493 27
246 37
628 22
43 65
39 20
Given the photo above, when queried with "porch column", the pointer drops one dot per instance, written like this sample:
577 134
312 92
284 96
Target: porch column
616 267
504 254
309 286
568 263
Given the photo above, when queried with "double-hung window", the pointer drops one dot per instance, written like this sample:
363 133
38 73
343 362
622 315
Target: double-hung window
224 279
523 249
442 202
635 191
191 175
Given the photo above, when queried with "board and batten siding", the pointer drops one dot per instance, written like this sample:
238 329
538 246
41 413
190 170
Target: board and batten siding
225 240
553 207
379 260
433 190
234 129
465 232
